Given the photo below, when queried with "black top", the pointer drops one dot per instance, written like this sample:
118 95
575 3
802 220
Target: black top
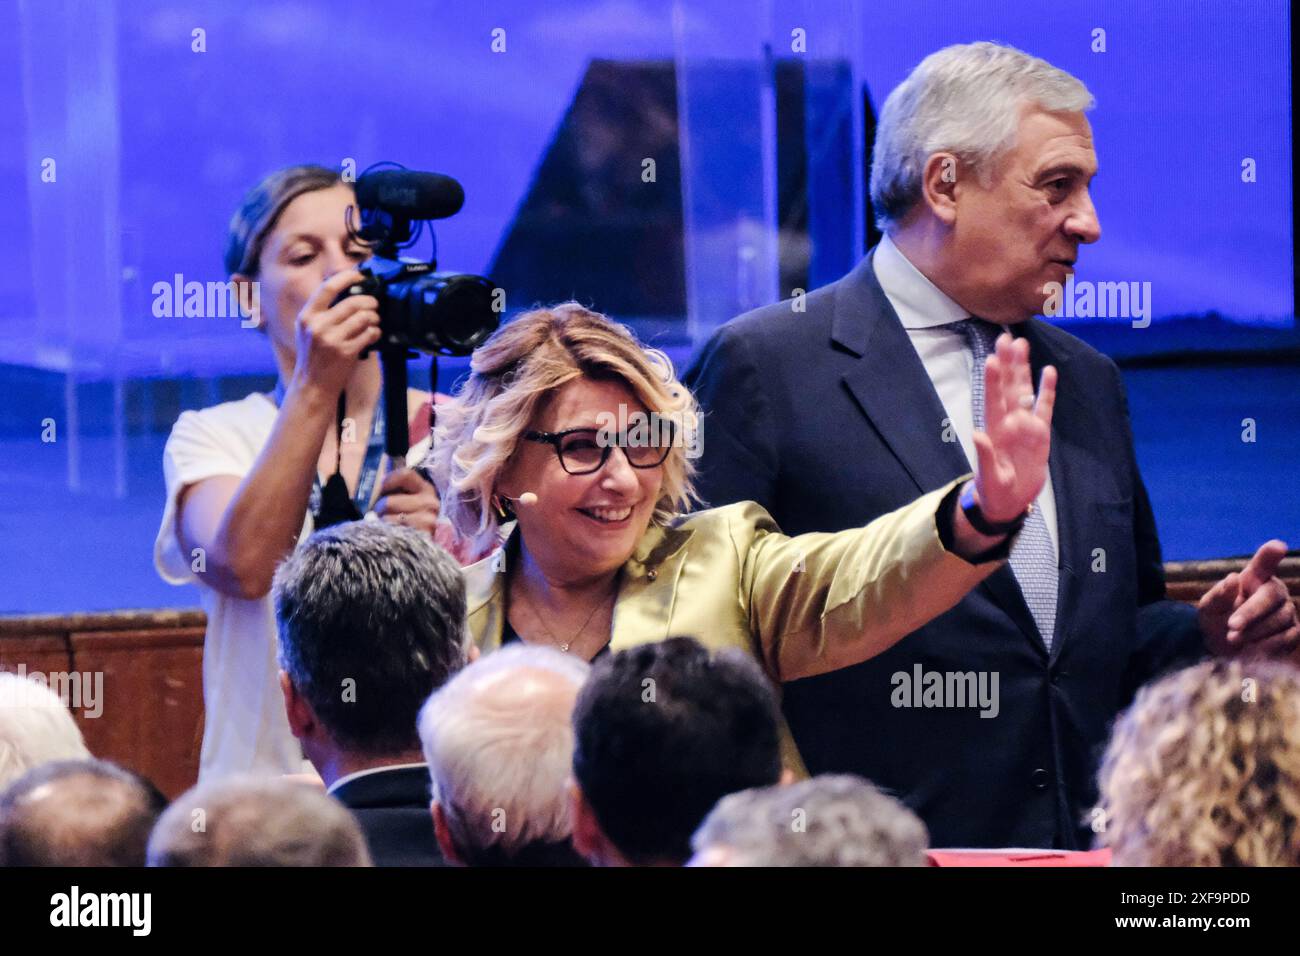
509 635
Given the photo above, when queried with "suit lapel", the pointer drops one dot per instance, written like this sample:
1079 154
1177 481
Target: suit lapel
889 382
648 591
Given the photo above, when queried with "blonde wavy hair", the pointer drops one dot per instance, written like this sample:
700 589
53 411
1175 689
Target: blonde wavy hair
1204 769
513 373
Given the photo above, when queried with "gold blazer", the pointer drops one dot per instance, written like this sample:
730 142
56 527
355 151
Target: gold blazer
801 605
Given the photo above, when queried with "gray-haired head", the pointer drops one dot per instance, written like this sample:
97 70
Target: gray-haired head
966 100
831 820
499 741
261 208
35 727
257 821
371 619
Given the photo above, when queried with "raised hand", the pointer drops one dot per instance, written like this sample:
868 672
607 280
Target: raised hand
1012 450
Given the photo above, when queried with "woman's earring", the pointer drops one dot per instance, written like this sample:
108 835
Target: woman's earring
504 513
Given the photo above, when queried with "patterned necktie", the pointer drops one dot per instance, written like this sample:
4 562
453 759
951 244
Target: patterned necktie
1033 560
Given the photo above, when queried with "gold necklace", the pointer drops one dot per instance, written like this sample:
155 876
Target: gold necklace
565 645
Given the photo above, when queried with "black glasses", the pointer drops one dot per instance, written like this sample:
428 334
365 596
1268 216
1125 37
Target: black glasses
585 450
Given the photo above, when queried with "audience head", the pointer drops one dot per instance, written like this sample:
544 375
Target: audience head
980 172
1204 770
832 820
257 821
566 369
371 620
498 738
35 727
664 731
77 813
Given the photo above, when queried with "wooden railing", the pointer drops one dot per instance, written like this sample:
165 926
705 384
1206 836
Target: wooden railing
151 717
152 662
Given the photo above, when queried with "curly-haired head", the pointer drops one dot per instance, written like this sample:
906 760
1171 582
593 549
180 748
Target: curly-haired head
512 375
1204 769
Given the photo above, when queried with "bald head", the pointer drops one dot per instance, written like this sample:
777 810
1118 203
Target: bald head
77 813
257 821
498 738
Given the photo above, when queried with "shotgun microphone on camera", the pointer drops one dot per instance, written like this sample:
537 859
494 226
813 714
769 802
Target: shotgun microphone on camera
410 194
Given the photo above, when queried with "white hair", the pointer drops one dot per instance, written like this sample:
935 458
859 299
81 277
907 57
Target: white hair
831 820
35 728
965 99
499 741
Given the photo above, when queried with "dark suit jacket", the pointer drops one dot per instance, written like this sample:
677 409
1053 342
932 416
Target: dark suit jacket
828 419
392 807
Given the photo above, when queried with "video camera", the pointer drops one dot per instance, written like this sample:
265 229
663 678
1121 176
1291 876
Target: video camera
440 313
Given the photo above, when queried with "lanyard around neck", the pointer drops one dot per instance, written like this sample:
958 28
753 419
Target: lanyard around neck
369 467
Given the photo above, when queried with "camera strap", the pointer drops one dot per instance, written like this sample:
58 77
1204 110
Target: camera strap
330 503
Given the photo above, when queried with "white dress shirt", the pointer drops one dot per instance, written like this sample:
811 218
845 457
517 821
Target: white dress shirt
924 312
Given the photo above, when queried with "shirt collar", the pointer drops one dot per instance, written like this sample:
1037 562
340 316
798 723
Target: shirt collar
348 778
918 301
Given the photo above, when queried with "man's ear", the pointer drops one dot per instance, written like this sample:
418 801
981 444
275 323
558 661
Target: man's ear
443 835
939 183
588 839
302 719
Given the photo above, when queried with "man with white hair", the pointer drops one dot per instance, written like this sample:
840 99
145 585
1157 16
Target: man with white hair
832 409
832 820
498 739
35 728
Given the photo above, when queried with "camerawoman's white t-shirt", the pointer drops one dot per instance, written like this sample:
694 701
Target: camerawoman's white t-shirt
245 729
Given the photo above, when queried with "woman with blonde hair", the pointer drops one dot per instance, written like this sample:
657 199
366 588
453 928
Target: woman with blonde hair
574 441
1204 769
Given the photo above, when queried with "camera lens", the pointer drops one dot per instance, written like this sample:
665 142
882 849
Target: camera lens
451 313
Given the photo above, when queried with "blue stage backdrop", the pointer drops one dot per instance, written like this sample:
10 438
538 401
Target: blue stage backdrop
131 129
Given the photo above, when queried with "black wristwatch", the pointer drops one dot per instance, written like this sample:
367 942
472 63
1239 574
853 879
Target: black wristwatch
993 529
